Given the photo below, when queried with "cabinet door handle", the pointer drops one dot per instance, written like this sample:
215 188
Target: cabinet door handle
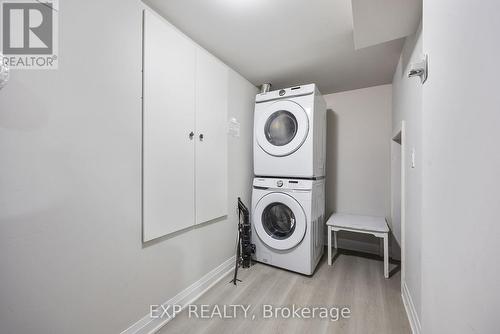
191 135
201 136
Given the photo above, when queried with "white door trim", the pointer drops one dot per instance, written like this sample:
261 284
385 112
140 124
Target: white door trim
399 137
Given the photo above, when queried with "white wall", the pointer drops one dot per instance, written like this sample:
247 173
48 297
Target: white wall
71 257
358 157
461 189
407 106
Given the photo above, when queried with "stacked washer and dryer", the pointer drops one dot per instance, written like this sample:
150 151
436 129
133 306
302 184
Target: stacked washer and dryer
288 197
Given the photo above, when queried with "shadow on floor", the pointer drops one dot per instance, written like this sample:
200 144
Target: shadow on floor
393 271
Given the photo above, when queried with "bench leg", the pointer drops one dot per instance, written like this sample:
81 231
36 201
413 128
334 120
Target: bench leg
329 245
386 255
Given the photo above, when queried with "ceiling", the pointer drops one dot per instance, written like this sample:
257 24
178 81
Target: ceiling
290 42
384 20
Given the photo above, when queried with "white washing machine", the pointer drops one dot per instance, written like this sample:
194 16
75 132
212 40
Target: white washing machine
290 133
287 222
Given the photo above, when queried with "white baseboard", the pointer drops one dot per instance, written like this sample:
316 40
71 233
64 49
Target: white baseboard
148 325
411 312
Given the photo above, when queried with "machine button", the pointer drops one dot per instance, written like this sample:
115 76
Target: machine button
282 92
279 183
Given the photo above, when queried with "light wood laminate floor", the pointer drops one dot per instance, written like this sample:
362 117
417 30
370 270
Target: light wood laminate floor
356 282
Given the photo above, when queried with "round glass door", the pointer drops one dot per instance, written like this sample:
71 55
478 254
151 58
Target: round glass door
279 221
282 128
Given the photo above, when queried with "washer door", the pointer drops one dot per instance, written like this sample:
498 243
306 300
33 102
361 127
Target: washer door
282 128
280 221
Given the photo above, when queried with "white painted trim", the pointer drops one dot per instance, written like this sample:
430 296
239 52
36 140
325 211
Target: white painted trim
403 200
148 325
411 312
401 134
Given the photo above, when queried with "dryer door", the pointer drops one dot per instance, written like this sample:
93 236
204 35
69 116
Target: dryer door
282 128
280 221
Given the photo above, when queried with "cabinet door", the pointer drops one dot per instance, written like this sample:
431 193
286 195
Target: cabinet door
211 141
169 61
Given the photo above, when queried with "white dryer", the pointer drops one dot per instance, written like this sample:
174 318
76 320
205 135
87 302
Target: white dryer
287 222
290 133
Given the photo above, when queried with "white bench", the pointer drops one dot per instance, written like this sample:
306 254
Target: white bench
376 226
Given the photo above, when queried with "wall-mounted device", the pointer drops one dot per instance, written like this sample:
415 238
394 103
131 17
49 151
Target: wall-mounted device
413 158
4 73
420 69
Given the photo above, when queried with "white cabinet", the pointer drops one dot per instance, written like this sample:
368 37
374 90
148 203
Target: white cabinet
211 146
184 131
168 118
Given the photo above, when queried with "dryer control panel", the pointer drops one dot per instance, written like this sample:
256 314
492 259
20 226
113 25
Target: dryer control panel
286 93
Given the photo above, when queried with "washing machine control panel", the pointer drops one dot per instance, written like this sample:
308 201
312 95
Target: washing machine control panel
274 183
